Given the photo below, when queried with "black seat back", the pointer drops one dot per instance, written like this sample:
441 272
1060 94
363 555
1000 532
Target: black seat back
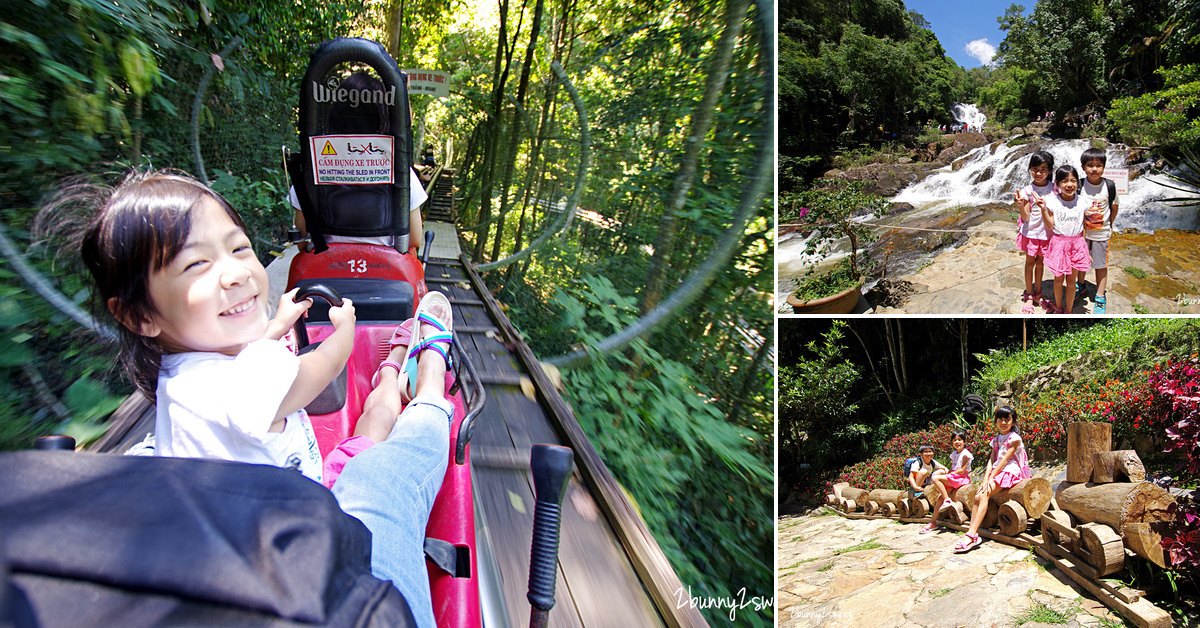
335 170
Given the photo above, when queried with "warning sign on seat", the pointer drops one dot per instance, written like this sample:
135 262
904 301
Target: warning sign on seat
352 159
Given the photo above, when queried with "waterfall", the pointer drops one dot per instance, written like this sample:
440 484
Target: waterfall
990 174
969 115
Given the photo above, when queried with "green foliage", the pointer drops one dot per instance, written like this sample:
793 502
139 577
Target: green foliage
815 404
830 206
1134 271
1042 614
815 286
852 75
1114 335
1169 117
703 483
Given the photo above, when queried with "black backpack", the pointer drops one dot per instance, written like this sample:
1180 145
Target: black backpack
105 540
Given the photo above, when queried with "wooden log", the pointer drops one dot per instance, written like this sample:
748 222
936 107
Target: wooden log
1083 440
837 488
848 505
1117 505
1117 466
1013 518
871 508
1052 521
1102 548
965 495
919 508
904 507
831 499
888 509
1142 613
858 495
1145 541
955 514
884 495
1033 494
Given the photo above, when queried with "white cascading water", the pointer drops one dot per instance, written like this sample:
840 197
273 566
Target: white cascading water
990 174
969 115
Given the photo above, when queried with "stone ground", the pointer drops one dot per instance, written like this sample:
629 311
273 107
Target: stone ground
913 580
985 276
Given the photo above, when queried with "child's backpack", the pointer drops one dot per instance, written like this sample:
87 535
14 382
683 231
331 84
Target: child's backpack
104 540
908 465
1112 191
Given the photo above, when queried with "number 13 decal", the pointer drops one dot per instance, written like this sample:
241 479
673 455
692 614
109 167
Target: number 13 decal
358 265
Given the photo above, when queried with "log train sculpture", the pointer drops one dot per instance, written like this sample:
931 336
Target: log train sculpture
1088 523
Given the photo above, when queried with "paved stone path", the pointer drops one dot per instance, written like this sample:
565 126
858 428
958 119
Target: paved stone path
911 580
985 276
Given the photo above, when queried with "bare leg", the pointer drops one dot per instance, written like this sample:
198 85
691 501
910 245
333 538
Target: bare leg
981 506
383 405
1058 290
1029 263
1038 267
1070 307
1101 281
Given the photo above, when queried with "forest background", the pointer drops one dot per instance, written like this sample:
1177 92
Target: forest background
678 108
857 75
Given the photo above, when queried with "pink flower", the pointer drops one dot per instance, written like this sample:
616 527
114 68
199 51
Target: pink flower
803 212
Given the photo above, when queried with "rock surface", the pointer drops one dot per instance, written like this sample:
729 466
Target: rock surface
911 580
985 275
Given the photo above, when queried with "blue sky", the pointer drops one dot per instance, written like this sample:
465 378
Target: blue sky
957 24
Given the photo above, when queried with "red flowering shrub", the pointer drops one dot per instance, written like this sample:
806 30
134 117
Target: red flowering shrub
885 470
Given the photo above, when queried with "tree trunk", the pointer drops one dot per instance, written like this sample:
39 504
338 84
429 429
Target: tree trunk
886 496
1083 440
962 344
871 364
714 85
1117 466
857 495
1033 495
1118 505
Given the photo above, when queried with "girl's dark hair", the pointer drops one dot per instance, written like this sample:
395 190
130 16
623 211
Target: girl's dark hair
1065 170
124 235
1007 411
958 434
1041 157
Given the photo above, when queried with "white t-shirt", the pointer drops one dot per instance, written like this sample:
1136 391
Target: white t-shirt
1098 194
964 458
1035 229
211 405
1068 215
416 198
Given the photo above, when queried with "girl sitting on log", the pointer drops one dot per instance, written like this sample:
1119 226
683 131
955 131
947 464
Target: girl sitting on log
958 475
1007 466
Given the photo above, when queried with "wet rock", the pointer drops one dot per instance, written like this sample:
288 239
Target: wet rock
899 208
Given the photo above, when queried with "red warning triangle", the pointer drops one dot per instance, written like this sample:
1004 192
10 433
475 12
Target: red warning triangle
328 150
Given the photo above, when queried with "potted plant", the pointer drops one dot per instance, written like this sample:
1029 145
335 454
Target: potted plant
828 208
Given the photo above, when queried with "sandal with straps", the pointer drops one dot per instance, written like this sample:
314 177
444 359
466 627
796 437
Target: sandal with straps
433 341
401 337
969 542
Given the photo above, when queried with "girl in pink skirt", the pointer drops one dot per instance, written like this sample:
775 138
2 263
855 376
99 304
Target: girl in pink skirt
1007 466
1068 254
1032 238
947 480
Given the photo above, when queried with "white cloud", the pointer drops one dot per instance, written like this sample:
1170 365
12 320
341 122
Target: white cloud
981 49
